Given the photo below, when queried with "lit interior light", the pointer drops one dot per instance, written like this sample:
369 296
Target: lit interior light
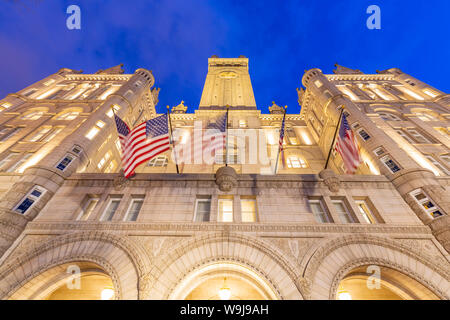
306 138
107 294
344 295
270 139
224 292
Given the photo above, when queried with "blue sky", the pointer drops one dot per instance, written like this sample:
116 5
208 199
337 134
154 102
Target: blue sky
175 38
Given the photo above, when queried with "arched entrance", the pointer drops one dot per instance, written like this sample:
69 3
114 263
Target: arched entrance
69 281
381 283
224 281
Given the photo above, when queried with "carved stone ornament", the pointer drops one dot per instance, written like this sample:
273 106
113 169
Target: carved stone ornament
120 182
330 179
226 178
276 109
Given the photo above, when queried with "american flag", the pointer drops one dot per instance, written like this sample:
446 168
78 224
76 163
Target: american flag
214 137
347 147
144 142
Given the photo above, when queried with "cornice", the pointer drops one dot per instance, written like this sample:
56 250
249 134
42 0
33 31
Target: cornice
98 77
360 77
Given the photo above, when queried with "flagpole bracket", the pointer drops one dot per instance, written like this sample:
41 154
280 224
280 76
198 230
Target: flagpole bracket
330 179
226 178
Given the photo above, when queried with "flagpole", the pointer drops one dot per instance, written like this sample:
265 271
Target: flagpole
226 142
279 146
334 137
171 140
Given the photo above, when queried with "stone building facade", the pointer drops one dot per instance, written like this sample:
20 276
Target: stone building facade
71 227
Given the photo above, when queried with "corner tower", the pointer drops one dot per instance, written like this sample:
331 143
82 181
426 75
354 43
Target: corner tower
228 83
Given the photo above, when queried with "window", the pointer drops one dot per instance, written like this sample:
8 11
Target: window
103 160
95 129
77 149
118 146
442 131
404 135
318 83
417 136
389 116
365 212
342 211
29 200
390 164
158 161
426 204
379 151
88 208
40 133
318 211
296 162
430 93
110 209
242 123
225 210
133 210
437 164
53 134
7 160
17 165
8 132
292 137
111 166
68 115
33 115
445 158
202 209
363 134
425 116
248 210
5 105
62 165
110 112
30 92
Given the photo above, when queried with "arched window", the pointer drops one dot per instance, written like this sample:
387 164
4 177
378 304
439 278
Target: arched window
425 116
296 162
70 115
33 115
387 116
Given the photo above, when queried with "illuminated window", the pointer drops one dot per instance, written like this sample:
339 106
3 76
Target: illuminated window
5 105
53 134
88 208
111 209
110 112
242 123
16 166
158 161
8 132
426 204
404 135
365 212
134 209
118 145
390 164
103 160
417 136
33 115
342 211
225 210
29 92
425 116
248 210
386 116
430 93
202 208
292 137
437 164
95 129
442 131
30 199
318 83
318 211
296 162
363 134
68 115
40 133
5 162
111 166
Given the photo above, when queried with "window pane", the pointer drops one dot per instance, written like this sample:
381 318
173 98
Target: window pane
136 206
92 203
318 211
342 212
111 210
25 205
248 210
225 210
203 210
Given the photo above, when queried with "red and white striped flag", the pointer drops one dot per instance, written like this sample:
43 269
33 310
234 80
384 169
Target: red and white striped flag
347 147
144 142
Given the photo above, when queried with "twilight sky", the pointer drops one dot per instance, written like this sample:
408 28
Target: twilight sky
174 39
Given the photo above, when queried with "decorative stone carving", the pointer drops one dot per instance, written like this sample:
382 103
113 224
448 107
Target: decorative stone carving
226 178
181 108
120 182
344 70
330 179
113 70
155 95
276 109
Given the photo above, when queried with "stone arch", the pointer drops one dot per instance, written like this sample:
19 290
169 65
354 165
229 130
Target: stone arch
261 257
334 258
123 260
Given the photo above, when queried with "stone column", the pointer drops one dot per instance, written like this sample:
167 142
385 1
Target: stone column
46 174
